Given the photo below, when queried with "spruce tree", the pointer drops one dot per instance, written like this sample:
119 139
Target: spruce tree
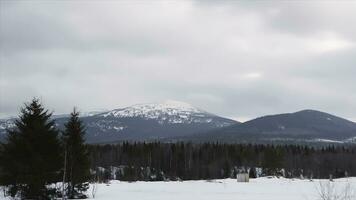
252 172
31 155
77 167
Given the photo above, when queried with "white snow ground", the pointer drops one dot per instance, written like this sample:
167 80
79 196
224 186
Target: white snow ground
226 189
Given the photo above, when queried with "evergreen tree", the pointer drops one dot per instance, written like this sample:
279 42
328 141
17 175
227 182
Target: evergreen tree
30 157
77 165
252 173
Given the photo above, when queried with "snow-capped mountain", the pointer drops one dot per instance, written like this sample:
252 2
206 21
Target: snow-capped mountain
150 121
172 121
168 112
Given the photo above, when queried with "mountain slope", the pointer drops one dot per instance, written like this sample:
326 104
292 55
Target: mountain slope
172 121
140 122
305 125
151 122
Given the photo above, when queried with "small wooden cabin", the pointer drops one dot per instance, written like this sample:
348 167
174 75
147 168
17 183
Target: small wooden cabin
243 177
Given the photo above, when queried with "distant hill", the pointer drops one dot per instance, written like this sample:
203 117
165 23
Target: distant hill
305 125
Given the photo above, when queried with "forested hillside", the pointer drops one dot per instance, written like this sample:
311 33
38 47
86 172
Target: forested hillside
160 161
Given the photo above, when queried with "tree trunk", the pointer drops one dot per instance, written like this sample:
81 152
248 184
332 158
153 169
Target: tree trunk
64 173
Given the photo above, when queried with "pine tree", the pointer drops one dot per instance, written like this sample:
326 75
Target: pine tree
77 167
252 173
31 156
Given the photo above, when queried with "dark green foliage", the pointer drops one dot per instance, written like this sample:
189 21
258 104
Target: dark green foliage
252 173
77 167
30 158
189 161
130 174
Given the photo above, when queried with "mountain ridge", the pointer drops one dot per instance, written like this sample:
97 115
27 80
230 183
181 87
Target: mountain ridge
307 124
179 121
150 121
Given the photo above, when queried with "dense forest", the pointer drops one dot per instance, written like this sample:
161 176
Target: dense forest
36 156
188 161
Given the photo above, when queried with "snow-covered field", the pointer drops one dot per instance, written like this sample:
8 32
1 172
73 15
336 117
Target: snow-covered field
226 189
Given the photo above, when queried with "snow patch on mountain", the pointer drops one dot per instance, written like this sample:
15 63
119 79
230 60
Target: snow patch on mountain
173 112
351 140
105 125
6 124
327 141
92 113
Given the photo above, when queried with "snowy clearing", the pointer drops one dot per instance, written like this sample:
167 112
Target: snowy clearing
225 189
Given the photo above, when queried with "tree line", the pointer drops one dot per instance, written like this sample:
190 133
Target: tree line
36 156
189 161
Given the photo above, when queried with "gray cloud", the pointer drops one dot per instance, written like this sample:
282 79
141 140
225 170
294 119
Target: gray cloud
236 59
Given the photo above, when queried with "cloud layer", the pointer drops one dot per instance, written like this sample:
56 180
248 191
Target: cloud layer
237 59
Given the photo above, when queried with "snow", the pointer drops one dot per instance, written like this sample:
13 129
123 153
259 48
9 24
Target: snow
173 112
7 123
152 110
262 188
281 127
256 189
92 113
120 128
328 141
351 140
225 189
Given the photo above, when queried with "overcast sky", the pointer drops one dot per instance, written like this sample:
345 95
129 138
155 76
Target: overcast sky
238 59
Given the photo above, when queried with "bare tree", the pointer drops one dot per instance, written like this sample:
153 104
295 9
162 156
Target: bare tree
326 191
330 190
64 174
94 189
348 192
